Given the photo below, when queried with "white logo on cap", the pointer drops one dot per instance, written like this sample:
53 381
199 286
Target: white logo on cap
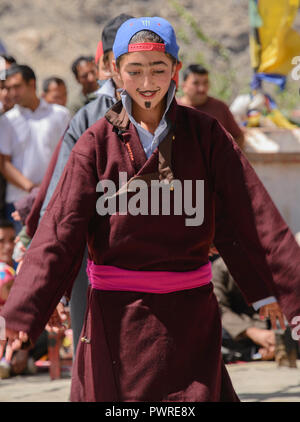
146 23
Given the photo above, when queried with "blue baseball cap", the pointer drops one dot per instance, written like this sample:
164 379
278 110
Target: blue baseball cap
158 25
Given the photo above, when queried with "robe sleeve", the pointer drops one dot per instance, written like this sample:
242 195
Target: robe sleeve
55 254
256 244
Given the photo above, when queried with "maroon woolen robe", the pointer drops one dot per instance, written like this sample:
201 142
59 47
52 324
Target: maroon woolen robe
144 346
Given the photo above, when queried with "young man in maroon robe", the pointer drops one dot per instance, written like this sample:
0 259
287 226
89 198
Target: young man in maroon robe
195 87
152 330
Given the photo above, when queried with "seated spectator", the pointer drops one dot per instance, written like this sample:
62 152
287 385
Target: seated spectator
23 360
195 89
86 73
7 276
29 133
7 241
55 91
243 332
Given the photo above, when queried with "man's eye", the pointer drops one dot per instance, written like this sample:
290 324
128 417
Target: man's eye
159 71
133 73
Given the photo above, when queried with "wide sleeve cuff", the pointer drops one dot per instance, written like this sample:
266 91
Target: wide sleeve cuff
262 302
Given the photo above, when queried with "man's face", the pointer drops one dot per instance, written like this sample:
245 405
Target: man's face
5 99
56 94
20 91
87 76
196 87
7 237
146 76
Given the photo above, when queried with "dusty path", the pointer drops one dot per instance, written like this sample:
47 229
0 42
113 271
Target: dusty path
254 382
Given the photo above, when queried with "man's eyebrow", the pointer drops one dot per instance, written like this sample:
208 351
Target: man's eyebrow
159 62
134 64
151 64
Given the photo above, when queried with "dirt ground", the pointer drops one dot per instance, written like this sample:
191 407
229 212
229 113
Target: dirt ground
254 382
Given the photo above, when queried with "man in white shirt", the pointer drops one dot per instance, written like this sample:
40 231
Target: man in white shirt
29 133
6 104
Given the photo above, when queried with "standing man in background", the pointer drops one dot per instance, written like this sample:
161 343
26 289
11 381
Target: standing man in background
86 73
29 133
5 104
5 101
55 91
195 89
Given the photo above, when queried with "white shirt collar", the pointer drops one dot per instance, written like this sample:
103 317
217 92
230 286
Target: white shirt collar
42 105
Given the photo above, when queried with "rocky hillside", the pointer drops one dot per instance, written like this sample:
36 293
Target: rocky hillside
49 35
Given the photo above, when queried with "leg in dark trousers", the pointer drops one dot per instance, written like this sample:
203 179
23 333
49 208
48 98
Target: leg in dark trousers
78 302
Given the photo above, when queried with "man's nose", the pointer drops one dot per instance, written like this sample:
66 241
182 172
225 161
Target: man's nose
91 77
148 81
13 92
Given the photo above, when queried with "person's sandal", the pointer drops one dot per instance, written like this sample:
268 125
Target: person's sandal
4 369
285 349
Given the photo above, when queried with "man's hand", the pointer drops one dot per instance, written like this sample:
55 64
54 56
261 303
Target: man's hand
59 320
264 338
14 341
16 216
273 311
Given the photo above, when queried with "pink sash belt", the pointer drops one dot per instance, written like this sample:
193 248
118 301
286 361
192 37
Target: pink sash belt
106 277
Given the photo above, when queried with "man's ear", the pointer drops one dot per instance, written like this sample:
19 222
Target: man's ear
114 65
32 83
174 68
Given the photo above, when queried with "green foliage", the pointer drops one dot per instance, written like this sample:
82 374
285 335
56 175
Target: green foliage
191 22
221 86
221 82
288 99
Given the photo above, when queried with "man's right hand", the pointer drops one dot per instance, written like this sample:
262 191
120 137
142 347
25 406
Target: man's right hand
14 341
264 338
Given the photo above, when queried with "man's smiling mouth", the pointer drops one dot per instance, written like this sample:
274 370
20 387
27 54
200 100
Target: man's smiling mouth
148 94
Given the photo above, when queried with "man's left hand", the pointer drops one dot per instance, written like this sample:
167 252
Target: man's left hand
273 311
